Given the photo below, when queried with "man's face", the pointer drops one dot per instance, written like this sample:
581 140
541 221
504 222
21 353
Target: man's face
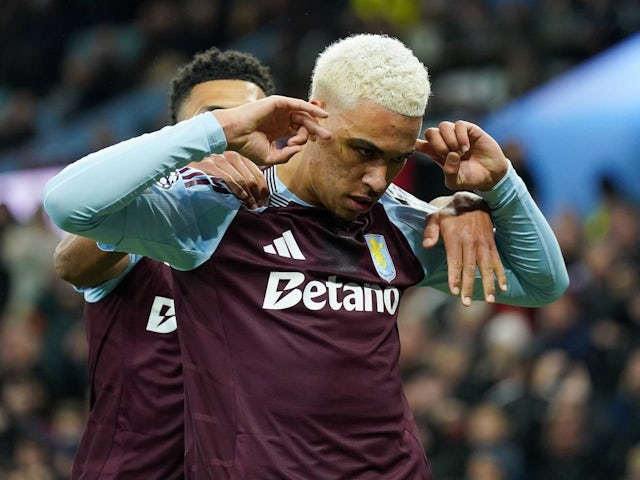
216 94
369 148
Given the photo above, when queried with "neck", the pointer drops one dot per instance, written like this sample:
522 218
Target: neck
295 175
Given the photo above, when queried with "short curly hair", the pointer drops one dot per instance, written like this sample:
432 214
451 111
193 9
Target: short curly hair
216 64
373 67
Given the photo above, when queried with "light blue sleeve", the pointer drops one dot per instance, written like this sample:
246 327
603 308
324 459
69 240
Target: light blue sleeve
409 214
112 196
535 269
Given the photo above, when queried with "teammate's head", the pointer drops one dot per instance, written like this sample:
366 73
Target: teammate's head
218 79
371 67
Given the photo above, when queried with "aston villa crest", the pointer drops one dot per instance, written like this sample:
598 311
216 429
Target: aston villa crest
381 256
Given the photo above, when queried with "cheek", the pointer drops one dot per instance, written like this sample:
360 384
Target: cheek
394 170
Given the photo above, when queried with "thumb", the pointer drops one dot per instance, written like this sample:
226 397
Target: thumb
282 155
424 148
431 232
451 164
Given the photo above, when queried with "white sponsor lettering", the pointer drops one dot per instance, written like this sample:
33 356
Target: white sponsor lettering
287 289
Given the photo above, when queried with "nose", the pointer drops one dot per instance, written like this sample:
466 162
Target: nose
375 177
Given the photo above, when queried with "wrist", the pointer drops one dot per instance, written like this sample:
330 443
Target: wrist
227 125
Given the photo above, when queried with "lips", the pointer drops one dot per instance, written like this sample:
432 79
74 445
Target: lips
362 204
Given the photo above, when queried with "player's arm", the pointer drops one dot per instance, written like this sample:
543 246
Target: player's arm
471 159
79 261
80 201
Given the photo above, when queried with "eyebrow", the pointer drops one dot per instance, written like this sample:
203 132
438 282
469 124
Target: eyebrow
208 108
361 142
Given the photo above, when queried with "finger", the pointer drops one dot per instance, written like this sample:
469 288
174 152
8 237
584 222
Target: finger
486 268
448 132
468 272
295 104
311 125
462 137
425 148
436 143
451 164
431 231
220 167
234 181
453 249
238 172
300 137
281 155
260 189
474 132
250 177
498 269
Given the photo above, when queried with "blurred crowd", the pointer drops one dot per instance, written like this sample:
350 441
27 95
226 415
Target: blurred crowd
61 58
499 393
504 393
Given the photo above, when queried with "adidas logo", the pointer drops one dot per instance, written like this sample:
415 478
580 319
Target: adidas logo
285 246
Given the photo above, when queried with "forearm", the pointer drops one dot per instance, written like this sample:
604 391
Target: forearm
79 261
527 244
104 182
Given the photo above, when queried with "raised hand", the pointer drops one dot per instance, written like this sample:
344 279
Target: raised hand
253 129
469 157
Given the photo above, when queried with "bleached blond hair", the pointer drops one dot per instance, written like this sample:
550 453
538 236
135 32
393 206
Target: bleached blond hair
371 67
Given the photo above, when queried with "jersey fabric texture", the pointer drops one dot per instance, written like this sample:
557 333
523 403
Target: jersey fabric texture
288 314
291 363
135 425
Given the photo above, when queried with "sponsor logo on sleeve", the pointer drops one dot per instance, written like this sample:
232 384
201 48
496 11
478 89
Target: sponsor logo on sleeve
162 318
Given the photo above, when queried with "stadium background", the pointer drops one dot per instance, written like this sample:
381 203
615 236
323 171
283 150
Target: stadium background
499 393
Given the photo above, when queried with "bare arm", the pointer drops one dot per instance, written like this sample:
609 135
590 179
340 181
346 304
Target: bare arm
79 261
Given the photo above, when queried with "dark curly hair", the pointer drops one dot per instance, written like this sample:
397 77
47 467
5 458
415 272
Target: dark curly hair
215 64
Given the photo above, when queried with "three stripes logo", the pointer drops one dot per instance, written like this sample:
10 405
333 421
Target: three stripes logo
285 246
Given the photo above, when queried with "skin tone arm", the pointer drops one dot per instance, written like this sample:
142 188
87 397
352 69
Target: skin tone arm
79 261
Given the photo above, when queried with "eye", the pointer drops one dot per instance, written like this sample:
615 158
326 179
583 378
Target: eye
365 152
401 159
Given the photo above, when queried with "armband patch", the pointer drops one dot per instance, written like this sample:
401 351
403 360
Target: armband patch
168 181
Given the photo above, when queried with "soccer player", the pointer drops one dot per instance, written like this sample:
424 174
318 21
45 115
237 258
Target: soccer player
136 423
288 332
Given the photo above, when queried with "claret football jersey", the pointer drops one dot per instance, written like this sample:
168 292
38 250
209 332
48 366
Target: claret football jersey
135 425
290 348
